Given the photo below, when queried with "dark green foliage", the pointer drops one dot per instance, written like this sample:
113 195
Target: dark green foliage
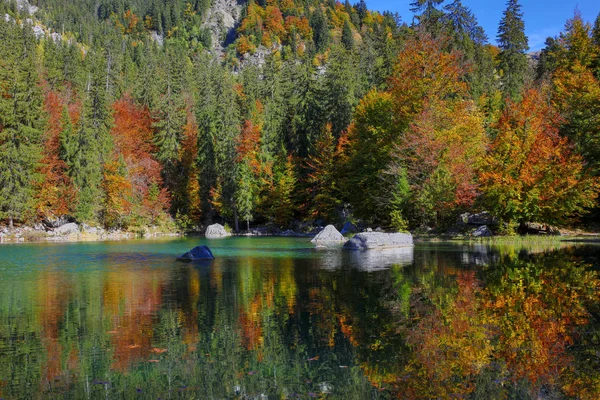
87 146
428 15
513 44
596 31
321 36
347 37
548 60
306 67
21 121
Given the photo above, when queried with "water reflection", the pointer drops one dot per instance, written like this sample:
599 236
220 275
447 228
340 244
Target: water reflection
373 260
437 321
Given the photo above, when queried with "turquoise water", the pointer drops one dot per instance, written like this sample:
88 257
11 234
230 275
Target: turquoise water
275 318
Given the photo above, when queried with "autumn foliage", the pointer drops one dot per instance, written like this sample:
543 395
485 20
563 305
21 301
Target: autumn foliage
56 194
531 173
137 182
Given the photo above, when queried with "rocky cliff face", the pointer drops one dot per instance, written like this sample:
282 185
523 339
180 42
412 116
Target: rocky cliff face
222 19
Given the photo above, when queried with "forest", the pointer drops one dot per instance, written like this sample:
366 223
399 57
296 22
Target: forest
131 113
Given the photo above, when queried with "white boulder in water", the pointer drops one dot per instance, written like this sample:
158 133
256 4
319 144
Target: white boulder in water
216 231
329 237
379 240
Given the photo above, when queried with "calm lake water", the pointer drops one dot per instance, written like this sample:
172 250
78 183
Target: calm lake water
275 318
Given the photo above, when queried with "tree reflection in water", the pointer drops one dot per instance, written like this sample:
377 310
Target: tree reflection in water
444 322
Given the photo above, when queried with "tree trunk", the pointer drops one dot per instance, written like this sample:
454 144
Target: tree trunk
248 224
235 217
10 223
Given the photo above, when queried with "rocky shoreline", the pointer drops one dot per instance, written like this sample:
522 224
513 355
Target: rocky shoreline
72 232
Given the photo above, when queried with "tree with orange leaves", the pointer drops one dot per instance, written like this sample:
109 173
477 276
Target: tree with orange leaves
139 172
440 153
56 195
422 125
118 193
531 173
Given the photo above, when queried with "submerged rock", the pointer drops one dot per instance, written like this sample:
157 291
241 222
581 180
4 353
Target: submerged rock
329 237
379 240
216 231
196 254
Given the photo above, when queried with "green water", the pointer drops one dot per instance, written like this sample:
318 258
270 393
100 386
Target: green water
275 318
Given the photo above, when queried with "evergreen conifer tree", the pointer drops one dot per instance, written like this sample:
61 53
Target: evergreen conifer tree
347 37
320 28
513 44
428 15
20 121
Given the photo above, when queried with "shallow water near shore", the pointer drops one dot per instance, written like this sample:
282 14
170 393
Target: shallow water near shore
275 318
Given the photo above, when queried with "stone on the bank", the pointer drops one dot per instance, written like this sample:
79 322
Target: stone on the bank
196 254
482 231
67 229
329 237
216 231
55 222
379 240
348 227
482 218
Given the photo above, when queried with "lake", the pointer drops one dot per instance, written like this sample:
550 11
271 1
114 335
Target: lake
275 318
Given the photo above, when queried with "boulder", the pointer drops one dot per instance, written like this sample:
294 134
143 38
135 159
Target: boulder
379 240
482 231
216 231
67 229
55 222
328 237
196 254
482 218
348 227
535 228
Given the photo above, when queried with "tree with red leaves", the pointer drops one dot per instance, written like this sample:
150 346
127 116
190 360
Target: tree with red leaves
531 173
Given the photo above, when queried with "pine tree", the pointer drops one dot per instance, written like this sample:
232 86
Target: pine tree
88 147
513 44
596 31
339 90
429 16
596 41
320 28
347 36
20 121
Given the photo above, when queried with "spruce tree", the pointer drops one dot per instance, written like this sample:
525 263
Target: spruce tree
88 147
347 37
596 31
513 45
320 28
428 15
20 121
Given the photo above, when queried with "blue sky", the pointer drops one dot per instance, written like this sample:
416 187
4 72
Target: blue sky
543 18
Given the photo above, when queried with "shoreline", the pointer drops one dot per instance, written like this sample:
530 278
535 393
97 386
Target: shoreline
31 235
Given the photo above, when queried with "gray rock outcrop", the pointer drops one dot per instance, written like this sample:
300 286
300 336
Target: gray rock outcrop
329 237
216 231
379 240
67 229
55 222
482 218
196 254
